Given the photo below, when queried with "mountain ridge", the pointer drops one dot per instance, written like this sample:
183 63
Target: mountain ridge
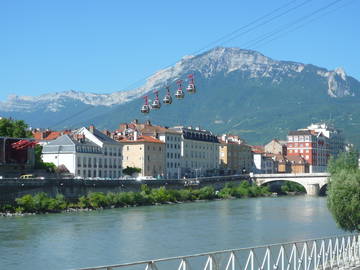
239 91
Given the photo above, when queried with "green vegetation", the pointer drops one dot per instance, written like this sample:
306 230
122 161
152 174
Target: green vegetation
344 191
289 186
131 170
14 128
39 163
41 203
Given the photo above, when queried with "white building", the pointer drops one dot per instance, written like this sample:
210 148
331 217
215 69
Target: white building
264 163
199 152
86 153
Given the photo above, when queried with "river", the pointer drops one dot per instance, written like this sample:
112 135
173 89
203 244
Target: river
74 240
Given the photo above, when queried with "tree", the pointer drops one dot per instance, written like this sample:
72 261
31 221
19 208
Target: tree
344 191
131 170
14 128
39 163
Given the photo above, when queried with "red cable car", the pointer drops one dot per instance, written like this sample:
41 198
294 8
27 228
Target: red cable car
156 102
167 99
179 92
145 108
191 86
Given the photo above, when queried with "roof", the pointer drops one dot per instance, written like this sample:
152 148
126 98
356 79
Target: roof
158 129
300 132
142 139
259 149
49 135
296 159
66 143
102 137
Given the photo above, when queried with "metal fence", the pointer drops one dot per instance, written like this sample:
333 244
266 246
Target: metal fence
342 252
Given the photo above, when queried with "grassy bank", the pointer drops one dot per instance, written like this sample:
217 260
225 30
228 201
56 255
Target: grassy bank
41 203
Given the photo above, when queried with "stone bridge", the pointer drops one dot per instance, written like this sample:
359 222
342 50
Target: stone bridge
312 182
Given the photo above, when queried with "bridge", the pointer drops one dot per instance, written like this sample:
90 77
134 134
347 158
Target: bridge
341 253
313 183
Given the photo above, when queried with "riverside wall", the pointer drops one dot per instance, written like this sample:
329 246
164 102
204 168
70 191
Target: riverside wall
10 189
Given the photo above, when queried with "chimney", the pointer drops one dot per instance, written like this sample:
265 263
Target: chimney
92 128
135 121
148 122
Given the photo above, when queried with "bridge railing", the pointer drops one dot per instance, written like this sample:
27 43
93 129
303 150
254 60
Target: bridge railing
326 253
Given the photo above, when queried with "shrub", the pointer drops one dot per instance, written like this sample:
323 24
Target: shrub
27 203
207 193
97 200
160 195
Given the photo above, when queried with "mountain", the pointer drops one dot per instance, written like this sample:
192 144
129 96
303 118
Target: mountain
239 91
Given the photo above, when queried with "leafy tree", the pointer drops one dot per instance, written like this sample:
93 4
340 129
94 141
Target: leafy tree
39 163
344 191
14 128
345 161
131 170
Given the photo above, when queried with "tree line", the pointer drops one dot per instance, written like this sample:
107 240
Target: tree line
42 203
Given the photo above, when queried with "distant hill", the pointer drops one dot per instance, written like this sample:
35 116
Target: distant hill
239 91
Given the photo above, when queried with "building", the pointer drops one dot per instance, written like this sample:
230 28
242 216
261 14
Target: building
86 153
298 164
199 152
146 153
234 155
276 146
172 140
310 145
16 157
264 163
335 138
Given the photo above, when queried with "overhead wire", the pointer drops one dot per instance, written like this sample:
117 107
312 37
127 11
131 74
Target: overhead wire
227 36
287 27
253 25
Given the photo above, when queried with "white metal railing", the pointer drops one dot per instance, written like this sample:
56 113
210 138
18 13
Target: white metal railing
342 252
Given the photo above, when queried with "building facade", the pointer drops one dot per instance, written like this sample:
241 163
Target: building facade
234 155
313 147
86 153
199 152
146 153
276 147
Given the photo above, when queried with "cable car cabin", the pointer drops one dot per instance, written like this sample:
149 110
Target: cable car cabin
179 94
191 88
156 104
145 108
167 99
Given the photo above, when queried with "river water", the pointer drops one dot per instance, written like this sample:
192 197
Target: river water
74 240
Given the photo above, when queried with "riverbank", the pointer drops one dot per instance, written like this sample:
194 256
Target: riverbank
42 203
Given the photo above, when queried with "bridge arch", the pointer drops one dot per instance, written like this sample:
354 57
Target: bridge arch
283 180
312 182
323 190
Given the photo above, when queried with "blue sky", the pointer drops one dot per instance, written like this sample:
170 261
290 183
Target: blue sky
107 46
